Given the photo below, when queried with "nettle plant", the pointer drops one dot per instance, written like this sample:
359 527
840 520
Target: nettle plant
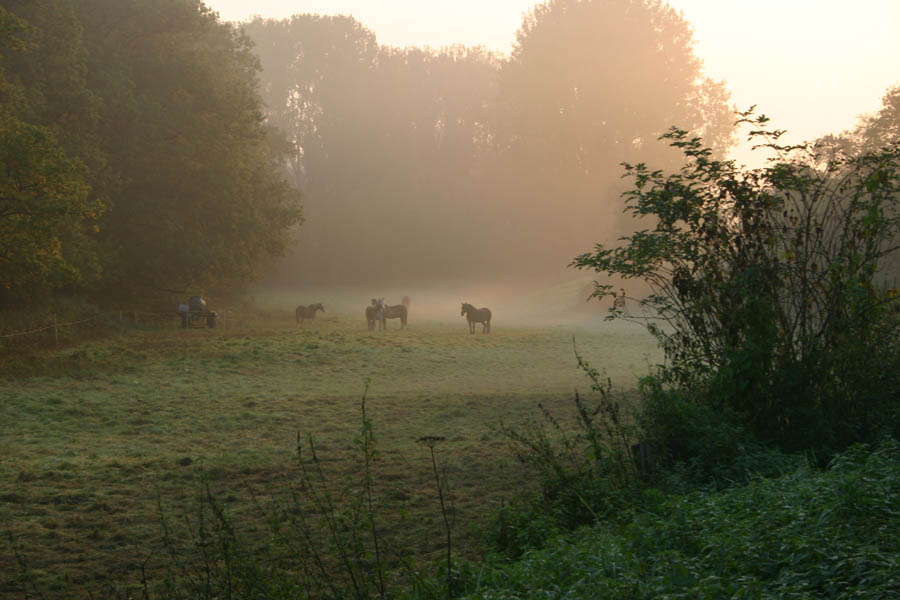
769 289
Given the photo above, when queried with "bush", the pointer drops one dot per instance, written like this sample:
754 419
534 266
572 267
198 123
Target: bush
688 444
766 293
586 469
809 534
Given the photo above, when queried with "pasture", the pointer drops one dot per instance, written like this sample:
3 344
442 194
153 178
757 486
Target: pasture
96 438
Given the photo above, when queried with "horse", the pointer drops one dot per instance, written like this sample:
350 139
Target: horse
308 312
397 311
477 315
375 313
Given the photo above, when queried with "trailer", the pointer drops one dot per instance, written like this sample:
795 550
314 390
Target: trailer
196 313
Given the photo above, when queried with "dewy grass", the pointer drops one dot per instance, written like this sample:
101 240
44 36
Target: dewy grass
93 434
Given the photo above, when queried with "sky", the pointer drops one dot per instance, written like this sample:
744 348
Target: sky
812 66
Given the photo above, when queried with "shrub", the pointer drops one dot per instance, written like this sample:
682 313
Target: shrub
586 469
809 534
690 444
765 288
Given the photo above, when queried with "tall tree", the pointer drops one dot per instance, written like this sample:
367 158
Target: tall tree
386 139
422 163
194 174
46 210
591 84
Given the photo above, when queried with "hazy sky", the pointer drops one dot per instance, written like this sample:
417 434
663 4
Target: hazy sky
813 66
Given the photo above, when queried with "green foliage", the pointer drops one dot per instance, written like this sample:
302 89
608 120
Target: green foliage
764 286
520 526
45 201
808 534
134 132
584 470
687 444
42 192
194 164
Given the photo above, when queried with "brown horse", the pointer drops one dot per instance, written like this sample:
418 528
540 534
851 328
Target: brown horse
477 315
397 311
375 313
308 312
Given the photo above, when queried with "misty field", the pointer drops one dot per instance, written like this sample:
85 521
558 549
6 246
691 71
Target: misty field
103 440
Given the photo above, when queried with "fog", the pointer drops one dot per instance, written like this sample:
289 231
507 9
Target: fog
461 170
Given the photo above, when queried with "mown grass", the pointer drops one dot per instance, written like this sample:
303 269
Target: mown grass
96 436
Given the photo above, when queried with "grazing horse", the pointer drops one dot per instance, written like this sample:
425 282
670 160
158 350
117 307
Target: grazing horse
477 315
397 311
308 312
375 313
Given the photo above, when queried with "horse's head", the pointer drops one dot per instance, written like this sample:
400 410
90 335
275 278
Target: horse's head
465 308
317 306
380 304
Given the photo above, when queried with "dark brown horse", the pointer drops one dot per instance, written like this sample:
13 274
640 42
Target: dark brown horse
375 313
308 312
477 315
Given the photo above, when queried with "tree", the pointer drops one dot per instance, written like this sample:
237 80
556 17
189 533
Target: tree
41 191
764 286
194 175
457 163
591 84
882 128
387 140
45 201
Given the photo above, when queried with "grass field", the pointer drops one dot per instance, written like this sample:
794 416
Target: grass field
94 436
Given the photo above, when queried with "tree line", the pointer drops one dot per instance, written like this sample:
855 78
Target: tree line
134 152
149 146
423 163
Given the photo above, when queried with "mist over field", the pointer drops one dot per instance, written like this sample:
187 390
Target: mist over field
423 165
198 399
512 305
